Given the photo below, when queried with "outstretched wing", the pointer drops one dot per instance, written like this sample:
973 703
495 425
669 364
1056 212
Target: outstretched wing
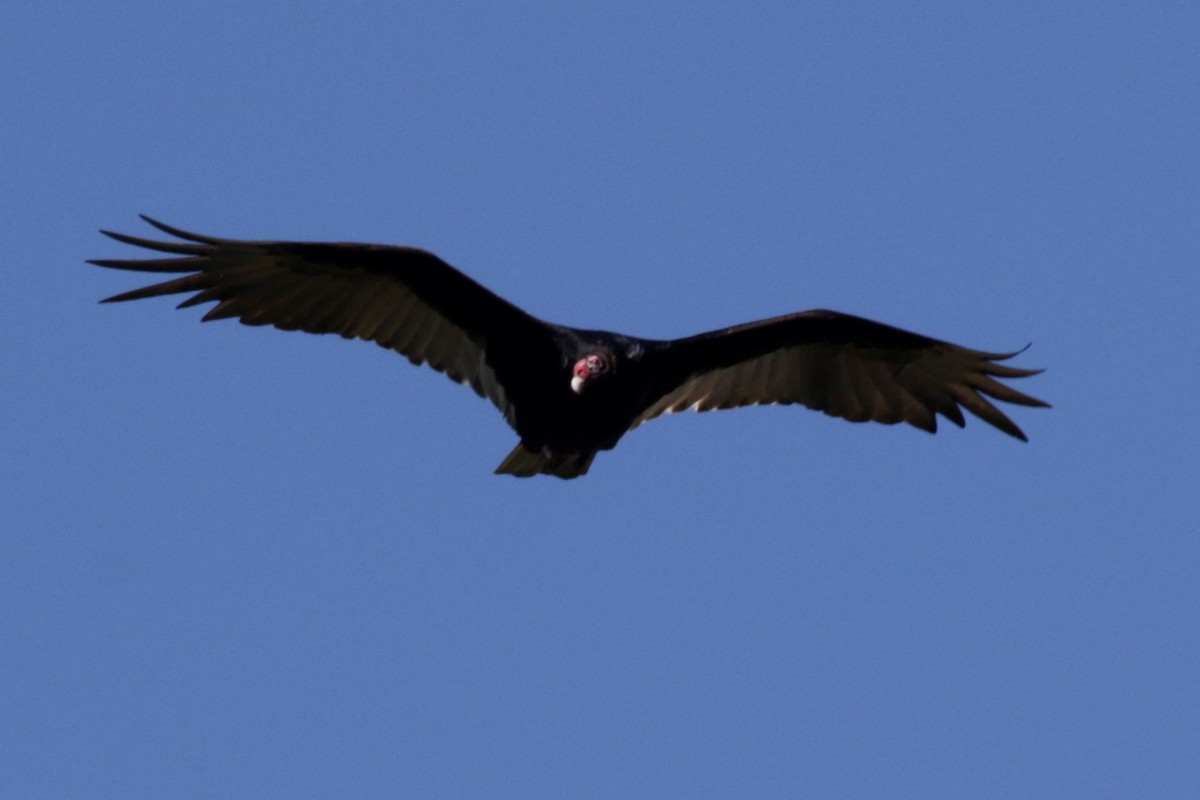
401 298
846 366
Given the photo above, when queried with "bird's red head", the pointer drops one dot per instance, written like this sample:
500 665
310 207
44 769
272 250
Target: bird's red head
587 368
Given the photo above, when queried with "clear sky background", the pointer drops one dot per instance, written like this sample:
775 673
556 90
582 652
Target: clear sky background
242 563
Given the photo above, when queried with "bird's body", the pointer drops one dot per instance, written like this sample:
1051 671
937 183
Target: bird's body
567 392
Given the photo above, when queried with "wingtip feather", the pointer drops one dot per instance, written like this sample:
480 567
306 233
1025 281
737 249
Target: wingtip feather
178 248
180 232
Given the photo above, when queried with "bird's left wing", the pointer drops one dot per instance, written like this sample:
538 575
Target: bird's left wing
402 298
846 366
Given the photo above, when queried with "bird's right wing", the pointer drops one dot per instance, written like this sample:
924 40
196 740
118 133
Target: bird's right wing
402 298
846 366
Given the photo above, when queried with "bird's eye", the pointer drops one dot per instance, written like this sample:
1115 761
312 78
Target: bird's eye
596 365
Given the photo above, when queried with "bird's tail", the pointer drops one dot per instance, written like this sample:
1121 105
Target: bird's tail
525 463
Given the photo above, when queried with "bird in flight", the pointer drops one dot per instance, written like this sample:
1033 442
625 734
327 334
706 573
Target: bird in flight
568 392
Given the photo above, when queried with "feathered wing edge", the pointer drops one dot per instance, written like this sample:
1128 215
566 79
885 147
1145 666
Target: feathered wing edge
404 299
845 366
196 251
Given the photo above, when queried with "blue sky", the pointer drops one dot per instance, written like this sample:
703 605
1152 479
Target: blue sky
238 562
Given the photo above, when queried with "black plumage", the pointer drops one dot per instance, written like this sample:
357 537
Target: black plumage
567 392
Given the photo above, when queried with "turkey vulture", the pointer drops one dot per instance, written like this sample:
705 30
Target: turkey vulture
567 392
